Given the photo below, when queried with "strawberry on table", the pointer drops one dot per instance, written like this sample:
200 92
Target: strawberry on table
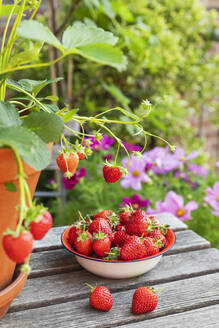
102 225
101 244
133 249
41 225
68 162
18 248
144 300
138 224
83 243
100 298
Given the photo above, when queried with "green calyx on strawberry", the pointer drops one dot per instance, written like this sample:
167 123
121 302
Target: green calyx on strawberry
80 150
163 228
158 242
85 235
114 253
113 221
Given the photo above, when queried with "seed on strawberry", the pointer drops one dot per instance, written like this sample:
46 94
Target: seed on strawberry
138 224
144 300
100 298
112 174
41 225
83 244
102 225
120 238
151 246
133 249
68 162
120 227
18 248
101 244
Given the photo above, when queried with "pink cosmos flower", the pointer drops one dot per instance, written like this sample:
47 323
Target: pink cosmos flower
161 160
131 147
181 157
69 184
174 204
212 198
104 143
136 173
135 201
198 170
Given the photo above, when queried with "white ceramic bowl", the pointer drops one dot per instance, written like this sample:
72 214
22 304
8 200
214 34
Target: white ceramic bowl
116 269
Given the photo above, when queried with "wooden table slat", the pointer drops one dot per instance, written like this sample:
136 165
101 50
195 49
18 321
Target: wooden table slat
63 287
176 297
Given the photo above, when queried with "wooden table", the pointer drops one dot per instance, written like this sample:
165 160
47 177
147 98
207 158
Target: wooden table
55 295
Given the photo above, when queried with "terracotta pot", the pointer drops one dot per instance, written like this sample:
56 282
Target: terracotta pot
8 203
9 293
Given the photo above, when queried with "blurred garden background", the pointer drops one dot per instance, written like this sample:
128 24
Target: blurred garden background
172 51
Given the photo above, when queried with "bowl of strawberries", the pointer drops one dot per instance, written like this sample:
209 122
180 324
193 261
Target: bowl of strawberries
118 246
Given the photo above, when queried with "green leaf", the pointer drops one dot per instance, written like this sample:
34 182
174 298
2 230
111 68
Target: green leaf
47 126
51 108
68 116
107 8
29 146
26 56
32 86
52 98
34 30
104 54
8 115
117 93
80 34
10 186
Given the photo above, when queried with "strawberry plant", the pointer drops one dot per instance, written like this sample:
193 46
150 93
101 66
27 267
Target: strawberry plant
28 121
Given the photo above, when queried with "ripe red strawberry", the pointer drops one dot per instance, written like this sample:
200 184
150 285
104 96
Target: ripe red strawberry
41 225
168 235
101 244
133 249
156 234
111 174
102 225
81 156
125 216
154 220
138 224
151 246
18 248
120 238
100 298
73 234
144 300
105 214
67 162
83 244
120 227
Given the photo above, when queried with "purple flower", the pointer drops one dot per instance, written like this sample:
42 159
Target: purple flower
136 173
52 182
174 204
181 157
104 143
69 184
181 175
135 201
212 198
161 160
108 157
148 167
198 170
131 147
